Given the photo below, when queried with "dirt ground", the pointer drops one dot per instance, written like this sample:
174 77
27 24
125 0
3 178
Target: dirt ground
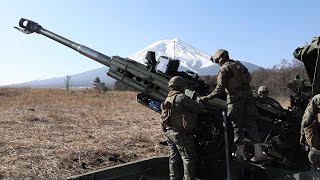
54 134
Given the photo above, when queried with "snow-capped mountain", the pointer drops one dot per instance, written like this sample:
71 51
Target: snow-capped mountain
190 58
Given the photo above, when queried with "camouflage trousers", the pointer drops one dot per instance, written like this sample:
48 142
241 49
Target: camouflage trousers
181 155
314 158
243 114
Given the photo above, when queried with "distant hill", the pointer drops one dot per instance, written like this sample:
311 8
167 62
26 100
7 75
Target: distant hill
84 79
190 58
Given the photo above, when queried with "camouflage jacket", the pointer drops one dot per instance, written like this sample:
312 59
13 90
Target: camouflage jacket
184 111
311 113
234 79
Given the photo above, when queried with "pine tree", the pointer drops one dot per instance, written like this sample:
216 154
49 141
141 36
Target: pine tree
99 86
96 83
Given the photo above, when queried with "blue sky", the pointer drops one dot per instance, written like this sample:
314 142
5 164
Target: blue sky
259 32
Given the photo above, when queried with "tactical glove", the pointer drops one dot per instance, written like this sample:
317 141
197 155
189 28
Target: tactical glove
203 99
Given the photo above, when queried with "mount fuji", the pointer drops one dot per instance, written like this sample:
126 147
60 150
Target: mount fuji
190 58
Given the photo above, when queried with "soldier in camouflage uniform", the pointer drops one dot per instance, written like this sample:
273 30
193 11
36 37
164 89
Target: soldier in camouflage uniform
297 83
298 98
263 97
178 122
310 133
234 79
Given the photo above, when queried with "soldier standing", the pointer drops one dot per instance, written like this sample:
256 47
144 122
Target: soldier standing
178 121
310 133
298 98
234 79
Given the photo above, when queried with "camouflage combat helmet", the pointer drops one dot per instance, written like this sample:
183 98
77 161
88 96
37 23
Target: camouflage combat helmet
263 89
219 55
177 81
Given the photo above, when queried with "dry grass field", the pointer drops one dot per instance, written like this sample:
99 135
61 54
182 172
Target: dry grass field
53 134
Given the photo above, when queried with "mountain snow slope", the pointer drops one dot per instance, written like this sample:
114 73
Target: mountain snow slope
190 57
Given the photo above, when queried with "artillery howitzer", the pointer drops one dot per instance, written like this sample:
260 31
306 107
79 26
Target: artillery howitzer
152 83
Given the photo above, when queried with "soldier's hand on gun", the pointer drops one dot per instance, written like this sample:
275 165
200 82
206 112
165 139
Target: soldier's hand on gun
302 139
203 99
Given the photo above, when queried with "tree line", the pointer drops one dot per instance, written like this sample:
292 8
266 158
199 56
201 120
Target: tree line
278 77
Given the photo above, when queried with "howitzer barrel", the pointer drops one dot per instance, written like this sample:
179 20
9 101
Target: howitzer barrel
31 27
130 72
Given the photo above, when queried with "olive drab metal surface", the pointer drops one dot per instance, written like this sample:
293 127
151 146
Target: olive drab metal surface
309 55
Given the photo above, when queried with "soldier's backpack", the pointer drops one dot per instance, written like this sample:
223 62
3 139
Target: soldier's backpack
167 111
241 77
241 72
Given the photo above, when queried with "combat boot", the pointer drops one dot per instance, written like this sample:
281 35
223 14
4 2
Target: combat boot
239 155
259 155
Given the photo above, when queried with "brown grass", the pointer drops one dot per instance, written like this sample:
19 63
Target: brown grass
53 134
284 101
